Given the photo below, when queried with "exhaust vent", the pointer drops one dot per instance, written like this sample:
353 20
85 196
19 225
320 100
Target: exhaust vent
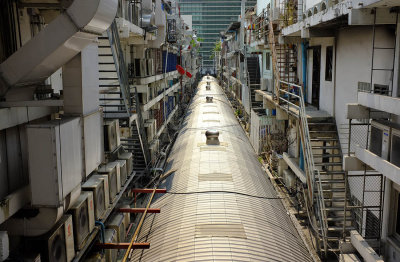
212 137
209 99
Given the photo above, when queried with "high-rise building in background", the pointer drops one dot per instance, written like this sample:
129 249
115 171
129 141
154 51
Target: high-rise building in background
209 18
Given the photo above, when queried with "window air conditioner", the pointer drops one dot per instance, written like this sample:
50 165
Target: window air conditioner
123 172
111 135
112 171
58 244
129 161
395 147
82 213
98 185
110 236
117 222
380 138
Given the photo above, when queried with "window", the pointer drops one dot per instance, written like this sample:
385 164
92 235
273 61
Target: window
329 61
267 61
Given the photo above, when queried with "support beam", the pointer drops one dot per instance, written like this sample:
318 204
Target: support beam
122 245
33 103
363 248
139 210
148 190
352 163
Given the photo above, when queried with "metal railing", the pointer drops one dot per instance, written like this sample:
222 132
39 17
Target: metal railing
287 96
122 71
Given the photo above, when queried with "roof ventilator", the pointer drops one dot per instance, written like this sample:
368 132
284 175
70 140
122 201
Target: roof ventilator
209 99
208 87
212 137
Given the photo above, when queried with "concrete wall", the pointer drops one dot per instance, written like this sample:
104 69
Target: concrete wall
353 64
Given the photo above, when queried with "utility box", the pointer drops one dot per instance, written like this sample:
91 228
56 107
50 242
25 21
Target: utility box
54 160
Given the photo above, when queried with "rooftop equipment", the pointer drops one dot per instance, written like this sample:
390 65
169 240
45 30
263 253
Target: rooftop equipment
212 137
209 99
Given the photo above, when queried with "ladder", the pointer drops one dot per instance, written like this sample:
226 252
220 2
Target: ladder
272 46
379 89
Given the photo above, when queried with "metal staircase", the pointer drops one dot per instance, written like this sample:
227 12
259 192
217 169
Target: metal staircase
328 157
253 69
118 99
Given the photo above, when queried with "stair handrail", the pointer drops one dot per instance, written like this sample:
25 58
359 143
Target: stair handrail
313 175
123 78
122 71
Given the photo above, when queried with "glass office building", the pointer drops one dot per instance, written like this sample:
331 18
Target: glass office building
209 18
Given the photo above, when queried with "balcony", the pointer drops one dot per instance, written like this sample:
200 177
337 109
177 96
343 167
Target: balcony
380 102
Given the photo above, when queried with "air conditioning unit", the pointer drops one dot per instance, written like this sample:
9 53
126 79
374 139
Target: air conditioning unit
395 147
58 244
380 139
82 212
117 222
123 172
150 67
111 135
150 129
114 178
129 161
127 217
54 160
98 185
110 236
95 257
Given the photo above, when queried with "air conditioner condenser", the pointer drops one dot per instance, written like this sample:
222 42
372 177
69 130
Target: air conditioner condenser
58 244
123 172
98 185
117 222
114 179
82 212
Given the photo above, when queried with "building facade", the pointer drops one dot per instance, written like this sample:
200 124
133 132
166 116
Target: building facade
329 86
209 19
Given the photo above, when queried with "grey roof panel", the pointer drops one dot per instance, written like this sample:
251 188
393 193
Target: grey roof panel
238 217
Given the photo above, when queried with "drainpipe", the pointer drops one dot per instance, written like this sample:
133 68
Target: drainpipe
304 46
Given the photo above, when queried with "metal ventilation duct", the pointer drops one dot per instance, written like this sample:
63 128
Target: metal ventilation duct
57 43
148 19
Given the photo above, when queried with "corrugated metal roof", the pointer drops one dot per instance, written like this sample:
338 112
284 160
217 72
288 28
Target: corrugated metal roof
237 218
